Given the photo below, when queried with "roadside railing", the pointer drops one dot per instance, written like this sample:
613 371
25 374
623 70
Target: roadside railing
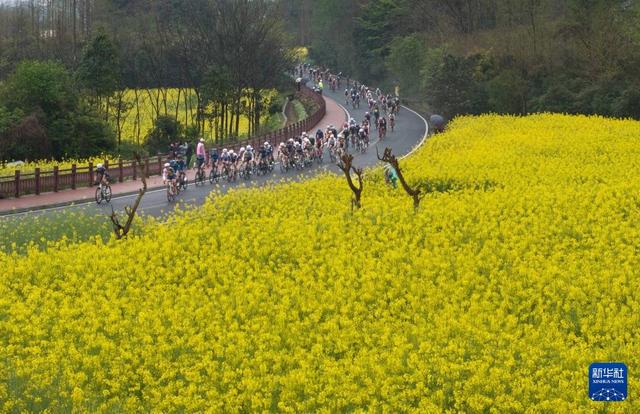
42 181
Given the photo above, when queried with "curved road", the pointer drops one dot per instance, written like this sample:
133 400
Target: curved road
410 131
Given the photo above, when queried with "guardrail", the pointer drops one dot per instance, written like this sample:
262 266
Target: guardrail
61 179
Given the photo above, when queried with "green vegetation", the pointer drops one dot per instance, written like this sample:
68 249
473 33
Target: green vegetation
20 233
40 231
43 116
300 110
212 66
461 57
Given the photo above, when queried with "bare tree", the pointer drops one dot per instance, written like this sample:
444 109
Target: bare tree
391 159
120 230
346 165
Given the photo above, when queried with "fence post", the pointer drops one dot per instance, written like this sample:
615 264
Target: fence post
17 183
135 170
37 178
146 167
90 174
73 176
55 179
159 164
121 171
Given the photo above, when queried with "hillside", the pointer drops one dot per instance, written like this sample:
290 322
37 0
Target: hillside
517 272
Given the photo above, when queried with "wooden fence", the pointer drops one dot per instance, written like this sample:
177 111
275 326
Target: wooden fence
61 179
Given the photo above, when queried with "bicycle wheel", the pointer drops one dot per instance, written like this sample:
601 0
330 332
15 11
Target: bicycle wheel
98 195
107 194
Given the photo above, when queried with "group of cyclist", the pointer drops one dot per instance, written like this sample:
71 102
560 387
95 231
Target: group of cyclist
296 152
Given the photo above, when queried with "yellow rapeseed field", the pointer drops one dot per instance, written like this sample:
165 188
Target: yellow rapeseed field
47 165
182 101
519 270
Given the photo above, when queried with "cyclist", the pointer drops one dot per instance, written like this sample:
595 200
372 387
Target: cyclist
248 157
180 167
331 144
289 147
269 149
382 128
283 154
102 175
346 96
169 176
376 115
214 158
367 117
233 162
225 159
319 146
200 154
392 120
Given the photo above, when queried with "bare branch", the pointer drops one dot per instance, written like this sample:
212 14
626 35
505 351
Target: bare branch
347 166
120 230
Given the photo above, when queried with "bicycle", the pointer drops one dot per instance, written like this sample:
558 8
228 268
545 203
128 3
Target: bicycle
246 171
214 175
103 193
200 176
172 191
332 154
183 182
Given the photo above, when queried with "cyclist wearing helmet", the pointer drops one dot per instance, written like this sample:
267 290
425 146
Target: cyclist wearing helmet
168 174
248 156
200 153
102 176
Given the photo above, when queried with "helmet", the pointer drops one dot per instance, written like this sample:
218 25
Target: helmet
99 165
242 149
361 130
167 164
224 150
266 143
202 140
249 148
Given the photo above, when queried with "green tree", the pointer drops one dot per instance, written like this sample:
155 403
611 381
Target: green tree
40 86
406 53
165 131
99 70
373 33
52 122
450 84
507 93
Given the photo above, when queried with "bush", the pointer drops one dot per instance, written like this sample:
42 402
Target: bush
42 116
165 131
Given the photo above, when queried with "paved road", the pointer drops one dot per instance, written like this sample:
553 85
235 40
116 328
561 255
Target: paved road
410 131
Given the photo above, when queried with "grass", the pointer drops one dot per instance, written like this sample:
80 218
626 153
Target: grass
18 234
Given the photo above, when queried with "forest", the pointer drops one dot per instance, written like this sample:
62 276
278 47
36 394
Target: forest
475 56
99 59
215 63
